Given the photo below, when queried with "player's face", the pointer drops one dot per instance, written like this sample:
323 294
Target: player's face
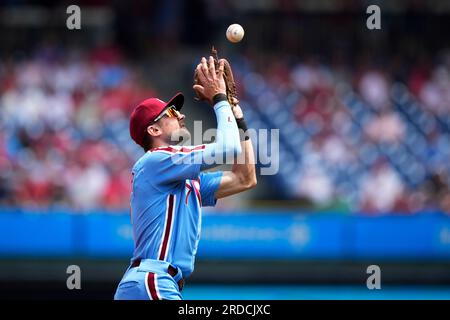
173 128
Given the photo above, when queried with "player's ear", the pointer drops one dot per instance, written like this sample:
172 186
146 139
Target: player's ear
154 130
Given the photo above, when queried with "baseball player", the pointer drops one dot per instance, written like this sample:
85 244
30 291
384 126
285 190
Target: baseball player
169 187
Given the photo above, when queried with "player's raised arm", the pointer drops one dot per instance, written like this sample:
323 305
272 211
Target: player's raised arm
242 175
212 88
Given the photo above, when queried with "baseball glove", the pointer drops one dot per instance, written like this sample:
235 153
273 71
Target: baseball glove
228 77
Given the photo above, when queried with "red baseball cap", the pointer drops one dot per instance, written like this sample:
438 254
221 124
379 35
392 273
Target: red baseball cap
147 111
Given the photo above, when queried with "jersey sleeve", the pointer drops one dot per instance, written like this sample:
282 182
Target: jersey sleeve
209 183
172 165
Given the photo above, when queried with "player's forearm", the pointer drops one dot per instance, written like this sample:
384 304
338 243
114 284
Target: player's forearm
227 138
244 167
242 176
227 145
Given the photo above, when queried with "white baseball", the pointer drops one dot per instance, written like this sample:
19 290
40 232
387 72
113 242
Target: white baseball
235 33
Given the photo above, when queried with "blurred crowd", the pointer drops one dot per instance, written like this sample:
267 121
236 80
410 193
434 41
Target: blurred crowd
352 137
64 129
356 137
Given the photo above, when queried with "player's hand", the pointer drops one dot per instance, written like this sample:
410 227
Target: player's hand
210 81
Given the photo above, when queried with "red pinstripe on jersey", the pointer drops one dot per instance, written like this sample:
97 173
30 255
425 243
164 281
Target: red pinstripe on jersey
188 186
167 227
196 185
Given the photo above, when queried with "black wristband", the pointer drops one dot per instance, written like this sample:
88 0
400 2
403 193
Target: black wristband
241 124
219 97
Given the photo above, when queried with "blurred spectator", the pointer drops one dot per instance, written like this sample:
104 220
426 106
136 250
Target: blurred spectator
381 189
437 192
316 186
435 93
387 127
374 88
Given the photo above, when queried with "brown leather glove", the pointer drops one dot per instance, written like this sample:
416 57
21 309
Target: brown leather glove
231 91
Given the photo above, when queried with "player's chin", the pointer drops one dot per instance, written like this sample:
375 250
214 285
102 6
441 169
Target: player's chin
181 136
